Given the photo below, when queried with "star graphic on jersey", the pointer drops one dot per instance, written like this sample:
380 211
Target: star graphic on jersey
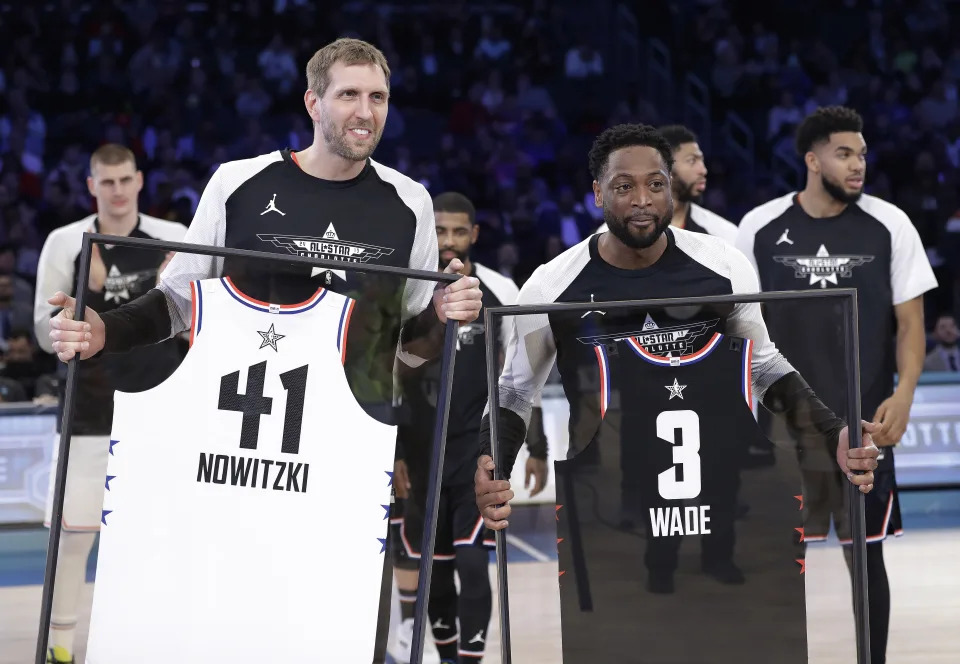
383 543
390 475
676 390
557 512
117 286
270 338
112 443
803 565
103 516
800 530
800 498
386 511
107 483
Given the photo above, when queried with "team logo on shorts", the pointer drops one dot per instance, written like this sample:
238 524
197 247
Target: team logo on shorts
656 340
328 247
468 333
823 267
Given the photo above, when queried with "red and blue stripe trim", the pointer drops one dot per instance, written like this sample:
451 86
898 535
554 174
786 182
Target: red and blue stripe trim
248 301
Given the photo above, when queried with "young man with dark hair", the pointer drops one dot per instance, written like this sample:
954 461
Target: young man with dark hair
831 233
117 276
459 621
689 181
641 256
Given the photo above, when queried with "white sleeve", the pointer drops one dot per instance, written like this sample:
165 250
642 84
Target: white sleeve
910 272
746 320
746 232
207 228
54 273
530 353
424 255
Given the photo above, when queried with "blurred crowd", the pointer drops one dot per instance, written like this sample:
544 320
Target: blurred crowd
497 100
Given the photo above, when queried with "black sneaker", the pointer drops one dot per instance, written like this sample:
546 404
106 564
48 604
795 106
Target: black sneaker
725 572
660 584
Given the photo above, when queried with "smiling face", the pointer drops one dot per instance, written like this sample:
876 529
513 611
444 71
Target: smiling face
635 195
353 110
842 165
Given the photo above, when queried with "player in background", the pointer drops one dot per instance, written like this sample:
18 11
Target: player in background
117 275
631 166
832 234
459 621
689 180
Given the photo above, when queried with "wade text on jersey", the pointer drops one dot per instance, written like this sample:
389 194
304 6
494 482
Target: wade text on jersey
252 472
670 521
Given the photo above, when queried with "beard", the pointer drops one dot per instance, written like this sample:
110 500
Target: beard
684 191
462 255
837 192
618 226
337 140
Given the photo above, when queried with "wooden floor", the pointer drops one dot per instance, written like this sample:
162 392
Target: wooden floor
924 570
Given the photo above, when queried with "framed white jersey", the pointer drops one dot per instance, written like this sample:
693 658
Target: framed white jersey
246 502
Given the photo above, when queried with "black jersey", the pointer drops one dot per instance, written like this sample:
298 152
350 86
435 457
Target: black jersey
468 398
670 449
130 273
870 246
693 265
268 203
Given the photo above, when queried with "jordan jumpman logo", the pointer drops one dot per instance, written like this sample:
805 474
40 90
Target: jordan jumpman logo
784 238
272 207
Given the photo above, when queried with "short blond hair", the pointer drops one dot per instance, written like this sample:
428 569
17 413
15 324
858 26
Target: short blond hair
349 52
112 154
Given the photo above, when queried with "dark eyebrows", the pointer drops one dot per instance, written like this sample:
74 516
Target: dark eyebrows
847 148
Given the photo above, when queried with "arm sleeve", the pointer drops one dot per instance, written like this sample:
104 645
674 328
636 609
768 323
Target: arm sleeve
207 228
910 271
529 357
746 320
793 399
425 255
421 338
54 273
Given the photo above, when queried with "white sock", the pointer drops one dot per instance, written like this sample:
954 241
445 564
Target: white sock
71 573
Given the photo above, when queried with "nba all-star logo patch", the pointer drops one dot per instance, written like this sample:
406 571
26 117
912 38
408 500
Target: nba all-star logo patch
327 247
656 340
270 338
823 268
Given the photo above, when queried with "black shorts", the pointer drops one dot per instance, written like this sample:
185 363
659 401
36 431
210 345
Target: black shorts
397 552
458 523
825 496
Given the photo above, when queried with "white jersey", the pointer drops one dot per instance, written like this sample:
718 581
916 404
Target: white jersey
245 515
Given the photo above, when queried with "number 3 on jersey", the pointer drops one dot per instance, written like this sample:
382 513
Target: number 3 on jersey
680 428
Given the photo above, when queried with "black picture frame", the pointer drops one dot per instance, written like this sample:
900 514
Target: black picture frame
848 300
440 429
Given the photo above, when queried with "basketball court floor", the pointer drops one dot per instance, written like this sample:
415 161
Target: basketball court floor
923 565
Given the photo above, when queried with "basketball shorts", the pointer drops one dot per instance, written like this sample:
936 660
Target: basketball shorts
398 552
86 481
458 523
825 497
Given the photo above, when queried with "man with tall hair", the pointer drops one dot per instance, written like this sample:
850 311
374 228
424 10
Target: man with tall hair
330 200
642 253
459 620
833 234
689 181
117 275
